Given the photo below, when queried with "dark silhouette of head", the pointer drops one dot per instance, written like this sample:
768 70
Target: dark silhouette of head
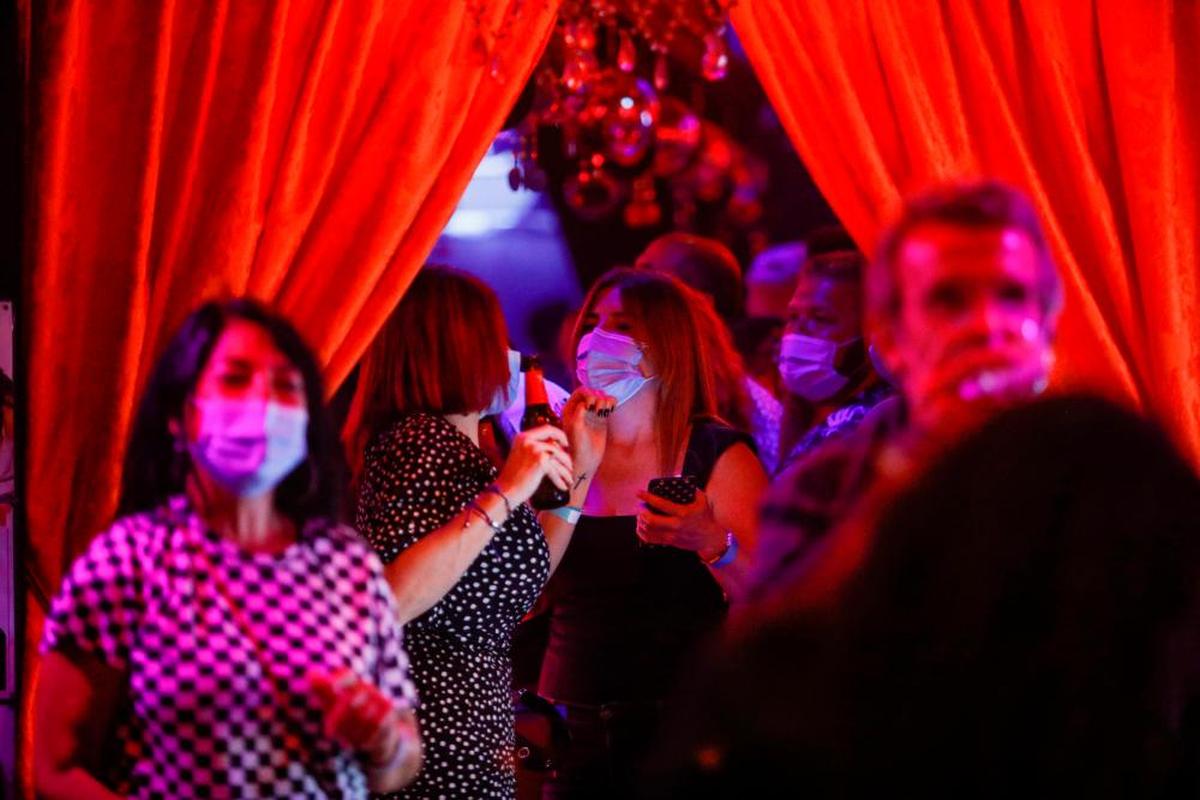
1026 624
704 264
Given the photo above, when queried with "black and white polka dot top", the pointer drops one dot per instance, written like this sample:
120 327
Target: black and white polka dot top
419 473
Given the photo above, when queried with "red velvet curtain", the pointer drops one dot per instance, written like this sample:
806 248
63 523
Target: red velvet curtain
305 152
1091 106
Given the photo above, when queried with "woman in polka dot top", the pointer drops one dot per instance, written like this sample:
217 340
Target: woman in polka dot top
466 557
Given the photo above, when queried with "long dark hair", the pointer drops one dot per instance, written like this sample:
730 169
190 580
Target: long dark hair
157 468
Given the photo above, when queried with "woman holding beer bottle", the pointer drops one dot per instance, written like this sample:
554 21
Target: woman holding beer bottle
464 554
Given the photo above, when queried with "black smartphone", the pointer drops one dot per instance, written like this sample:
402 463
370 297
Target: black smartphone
678 489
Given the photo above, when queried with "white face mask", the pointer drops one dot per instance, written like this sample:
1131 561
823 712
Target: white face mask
807 366
608 362
506 395
249 446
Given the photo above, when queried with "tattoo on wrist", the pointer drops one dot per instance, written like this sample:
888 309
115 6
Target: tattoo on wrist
579 481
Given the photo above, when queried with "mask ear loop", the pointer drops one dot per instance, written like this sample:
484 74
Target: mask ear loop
643 365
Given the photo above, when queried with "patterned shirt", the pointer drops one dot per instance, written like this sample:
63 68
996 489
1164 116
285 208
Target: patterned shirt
809 498
840 421
766 415
418 474
217 642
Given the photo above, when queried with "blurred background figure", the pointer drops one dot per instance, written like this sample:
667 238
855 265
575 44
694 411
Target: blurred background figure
769 282
771 279
226 637
827 381
1026 623
711 269
962 304
704 264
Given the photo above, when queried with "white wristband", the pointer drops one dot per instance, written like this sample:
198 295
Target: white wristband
569 514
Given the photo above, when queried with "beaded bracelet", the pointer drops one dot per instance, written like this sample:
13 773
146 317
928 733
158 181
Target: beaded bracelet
494 488
491 523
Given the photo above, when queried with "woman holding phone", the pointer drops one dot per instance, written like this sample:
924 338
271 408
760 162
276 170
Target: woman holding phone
646 577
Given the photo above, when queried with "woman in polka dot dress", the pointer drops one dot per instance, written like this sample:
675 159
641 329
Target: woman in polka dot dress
464 555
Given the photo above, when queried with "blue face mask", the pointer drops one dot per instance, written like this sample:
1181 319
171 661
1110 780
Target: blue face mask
506 395
807 367
608 362
248 446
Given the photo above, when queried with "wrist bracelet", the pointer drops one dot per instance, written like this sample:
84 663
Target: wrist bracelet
494 488
727 555
569 514
491 523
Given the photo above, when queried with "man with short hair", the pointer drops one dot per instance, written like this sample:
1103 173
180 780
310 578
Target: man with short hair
830 382
770 282
962 304
771 278
705 264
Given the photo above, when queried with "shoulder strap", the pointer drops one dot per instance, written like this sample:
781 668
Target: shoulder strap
709 440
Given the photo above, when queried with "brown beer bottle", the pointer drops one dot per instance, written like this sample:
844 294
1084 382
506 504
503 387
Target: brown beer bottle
538 412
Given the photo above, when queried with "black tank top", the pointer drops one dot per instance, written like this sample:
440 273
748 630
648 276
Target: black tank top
625 616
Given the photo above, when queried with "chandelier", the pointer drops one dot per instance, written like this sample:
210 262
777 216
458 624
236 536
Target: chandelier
605 131
595 33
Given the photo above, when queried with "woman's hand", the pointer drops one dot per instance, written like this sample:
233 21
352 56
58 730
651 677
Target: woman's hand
537 453
690 526
585 419
76 709
359 715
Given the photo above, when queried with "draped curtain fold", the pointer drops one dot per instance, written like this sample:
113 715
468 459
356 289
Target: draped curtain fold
305 152
1090 106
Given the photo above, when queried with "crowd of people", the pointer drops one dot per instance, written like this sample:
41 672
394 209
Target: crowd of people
818 530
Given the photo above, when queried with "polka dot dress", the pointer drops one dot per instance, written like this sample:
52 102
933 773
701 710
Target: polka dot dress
417 475
217 643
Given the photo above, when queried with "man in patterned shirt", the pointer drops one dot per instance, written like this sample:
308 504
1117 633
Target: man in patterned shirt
961 305
829 381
